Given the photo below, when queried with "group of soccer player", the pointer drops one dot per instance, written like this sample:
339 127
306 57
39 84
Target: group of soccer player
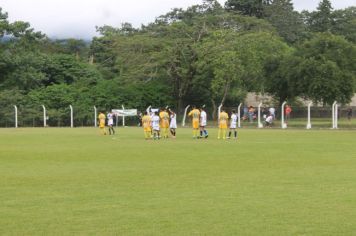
199 122
102 119
157 123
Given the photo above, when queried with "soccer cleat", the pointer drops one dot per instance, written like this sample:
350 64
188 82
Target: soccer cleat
206 136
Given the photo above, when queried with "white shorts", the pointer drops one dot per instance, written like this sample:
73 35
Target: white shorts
233 126
155 128
173 125
203 123
110 122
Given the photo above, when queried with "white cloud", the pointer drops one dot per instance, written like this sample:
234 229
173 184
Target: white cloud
78 18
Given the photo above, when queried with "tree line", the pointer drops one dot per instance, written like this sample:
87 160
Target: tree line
205 54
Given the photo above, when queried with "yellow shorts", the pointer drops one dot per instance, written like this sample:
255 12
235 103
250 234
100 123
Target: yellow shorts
222 126
195 124
164 124
101 125
147 129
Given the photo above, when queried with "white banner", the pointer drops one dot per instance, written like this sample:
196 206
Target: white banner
128 112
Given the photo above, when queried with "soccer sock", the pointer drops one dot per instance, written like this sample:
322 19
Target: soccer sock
103 131
235 134
201 133
224 134
229 134
205 132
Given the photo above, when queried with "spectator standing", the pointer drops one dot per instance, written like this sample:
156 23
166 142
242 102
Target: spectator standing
349 114
251 112
287 112
272 111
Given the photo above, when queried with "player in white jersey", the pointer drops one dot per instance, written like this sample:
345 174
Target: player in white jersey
110 117
203 123
155 126
173 123
233 124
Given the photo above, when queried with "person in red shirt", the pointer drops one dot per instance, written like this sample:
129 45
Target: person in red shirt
287 112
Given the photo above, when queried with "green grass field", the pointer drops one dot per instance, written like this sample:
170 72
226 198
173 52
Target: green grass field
269 182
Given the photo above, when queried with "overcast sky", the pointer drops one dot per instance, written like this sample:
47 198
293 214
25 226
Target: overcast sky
78 18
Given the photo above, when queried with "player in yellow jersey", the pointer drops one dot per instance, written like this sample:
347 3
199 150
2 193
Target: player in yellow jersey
195 114
164 122
223 118
146 124
102 119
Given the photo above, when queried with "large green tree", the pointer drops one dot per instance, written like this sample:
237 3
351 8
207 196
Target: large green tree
247 7
322 19
321 69
288 22
344 23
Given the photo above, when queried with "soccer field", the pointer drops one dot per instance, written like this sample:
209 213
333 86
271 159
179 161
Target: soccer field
269 182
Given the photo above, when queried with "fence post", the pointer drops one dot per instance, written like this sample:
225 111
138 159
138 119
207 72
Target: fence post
71 116
95 117
219 110
333 114
260 125
148 109
16 121
283 124
239 116
309 120
123 116
185 115
336 115
44 116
